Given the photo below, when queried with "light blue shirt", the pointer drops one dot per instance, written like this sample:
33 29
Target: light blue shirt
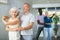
25 21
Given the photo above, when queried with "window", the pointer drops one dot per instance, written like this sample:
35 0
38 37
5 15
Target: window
3 1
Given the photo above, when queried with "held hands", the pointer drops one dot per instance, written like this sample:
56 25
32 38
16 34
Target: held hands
19 28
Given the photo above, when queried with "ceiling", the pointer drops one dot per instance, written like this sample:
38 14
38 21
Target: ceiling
45 1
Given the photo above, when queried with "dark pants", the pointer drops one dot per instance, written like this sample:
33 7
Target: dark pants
40 29
56 29
21 38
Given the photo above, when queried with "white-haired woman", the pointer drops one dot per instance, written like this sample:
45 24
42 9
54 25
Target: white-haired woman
13 33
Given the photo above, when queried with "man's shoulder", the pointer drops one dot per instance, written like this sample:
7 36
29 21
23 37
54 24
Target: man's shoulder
31 16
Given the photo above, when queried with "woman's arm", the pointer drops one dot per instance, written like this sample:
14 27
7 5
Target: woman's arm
9 29
18 23
12 23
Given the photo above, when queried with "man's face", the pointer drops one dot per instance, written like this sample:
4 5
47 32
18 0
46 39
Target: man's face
26 8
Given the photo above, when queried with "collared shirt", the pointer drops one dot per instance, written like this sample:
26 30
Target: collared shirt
25 21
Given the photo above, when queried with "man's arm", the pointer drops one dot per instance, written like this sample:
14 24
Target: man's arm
26 28
40 22
30 26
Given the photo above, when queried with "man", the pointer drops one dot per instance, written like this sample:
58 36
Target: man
40 21
27 22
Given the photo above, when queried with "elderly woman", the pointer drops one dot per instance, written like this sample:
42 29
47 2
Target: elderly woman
47 27
13 33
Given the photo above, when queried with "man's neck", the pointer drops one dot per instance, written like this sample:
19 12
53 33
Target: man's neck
26 13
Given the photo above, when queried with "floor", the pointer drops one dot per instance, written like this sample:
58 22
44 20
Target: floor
53 38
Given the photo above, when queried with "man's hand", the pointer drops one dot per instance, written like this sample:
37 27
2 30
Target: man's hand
20 28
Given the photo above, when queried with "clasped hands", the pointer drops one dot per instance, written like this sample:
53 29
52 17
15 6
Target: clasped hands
19 28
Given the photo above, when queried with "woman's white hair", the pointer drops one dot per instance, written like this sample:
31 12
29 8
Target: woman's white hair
13 8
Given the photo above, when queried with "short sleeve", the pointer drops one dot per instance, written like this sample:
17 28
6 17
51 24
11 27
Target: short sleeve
32 19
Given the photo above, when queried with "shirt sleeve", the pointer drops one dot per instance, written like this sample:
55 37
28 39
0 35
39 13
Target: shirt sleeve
32 19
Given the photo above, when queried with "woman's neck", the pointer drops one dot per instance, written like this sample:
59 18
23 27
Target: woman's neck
14 17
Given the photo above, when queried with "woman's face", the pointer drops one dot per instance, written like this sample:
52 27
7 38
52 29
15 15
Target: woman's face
13 13
46 14
26 8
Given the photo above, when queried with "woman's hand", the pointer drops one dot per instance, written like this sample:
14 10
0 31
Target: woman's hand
16 29
11 29
5 17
